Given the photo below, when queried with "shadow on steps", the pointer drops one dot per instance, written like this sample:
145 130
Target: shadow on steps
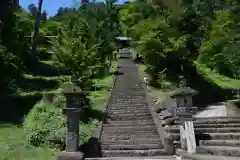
92 148
117 73
202 136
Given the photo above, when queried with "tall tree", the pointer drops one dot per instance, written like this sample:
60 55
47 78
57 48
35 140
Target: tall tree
36 27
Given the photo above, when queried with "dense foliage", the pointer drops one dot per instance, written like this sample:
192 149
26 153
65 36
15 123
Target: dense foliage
76 42
81 40
171 37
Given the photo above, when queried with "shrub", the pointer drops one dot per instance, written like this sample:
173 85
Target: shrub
44 122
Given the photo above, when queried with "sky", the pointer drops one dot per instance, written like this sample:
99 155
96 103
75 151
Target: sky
51 6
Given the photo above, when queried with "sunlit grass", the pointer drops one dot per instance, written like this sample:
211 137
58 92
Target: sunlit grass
13 141
221 80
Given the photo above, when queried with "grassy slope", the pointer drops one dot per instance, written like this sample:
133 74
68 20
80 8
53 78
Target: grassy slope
12 139
209 75
220 80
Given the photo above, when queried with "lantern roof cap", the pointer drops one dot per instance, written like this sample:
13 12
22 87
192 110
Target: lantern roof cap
71 88
183 91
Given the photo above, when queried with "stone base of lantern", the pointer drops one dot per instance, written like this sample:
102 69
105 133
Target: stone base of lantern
70 156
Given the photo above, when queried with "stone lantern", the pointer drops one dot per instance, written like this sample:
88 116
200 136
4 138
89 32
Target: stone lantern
185 111
183 96
74 97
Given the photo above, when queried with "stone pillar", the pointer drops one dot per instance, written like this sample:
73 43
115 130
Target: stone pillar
73 97
185 109
72 138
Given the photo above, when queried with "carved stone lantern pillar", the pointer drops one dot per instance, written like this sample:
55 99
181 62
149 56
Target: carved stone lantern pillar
74 97
183 95
185 109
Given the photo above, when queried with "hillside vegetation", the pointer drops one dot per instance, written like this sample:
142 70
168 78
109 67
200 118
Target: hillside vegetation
196 38
76 42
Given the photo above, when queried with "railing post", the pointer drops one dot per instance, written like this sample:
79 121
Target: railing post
185 111
73 96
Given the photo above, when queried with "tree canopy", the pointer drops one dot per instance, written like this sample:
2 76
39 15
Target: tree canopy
170 34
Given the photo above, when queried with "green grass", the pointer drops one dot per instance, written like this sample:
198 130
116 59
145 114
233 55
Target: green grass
13 139
34 93
49 62
13 146
40 79
57 78
220 80
142 68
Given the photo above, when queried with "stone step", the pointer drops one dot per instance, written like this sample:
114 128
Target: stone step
203 130
128 137
128 96
185 156
219 150
128 112
127 100
131 124
145 110
136 105
122 84
133 75
232 143
217 125
130 115
132 147
131 153
123 94
129 133
126 89
137 117
214 121
126 86
131 142
212 136
123 102
135 158
114 107
128 106
130 128
219 118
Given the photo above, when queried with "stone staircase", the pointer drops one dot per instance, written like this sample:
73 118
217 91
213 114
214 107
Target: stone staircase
217 138
129 131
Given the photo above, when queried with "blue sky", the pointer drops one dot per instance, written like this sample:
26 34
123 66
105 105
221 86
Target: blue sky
51 6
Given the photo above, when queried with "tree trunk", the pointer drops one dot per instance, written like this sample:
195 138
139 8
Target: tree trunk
36 28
